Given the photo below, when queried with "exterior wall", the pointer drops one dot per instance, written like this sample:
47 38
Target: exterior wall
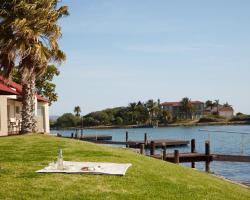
177 112
227 114
11 108
3 116
42 117
14 109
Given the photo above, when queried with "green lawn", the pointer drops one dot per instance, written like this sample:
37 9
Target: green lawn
21 156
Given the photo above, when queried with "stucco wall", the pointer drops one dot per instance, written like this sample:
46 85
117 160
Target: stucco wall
3 116
10 107
227 114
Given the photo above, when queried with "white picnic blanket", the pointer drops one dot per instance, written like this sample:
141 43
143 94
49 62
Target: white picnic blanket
88 168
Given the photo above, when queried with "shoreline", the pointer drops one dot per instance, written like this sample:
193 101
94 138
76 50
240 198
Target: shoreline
192 124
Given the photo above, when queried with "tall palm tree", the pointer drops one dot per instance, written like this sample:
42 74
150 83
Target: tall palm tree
132 110
29 34
217 104
153 109
77 111
187 107
209 104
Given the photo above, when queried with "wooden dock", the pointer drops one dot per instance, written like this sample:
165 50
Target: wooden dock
89 137
194 157
136 144
107 139
231 158
159 143
186 157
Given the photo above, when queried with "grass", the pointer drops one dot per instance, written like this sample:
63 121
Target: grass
148 178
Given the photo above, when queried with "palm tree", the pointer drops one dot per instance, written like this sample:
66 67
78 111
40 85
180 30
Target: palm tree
132 110
29 34
216 104
77 111
153 109
209 104
187 107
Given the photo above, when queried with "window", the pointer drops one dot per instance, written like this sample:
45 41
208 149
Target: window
17 110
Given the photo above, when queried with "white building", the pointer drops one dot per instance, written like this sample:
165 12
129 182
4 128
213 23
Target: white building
226 111
11 108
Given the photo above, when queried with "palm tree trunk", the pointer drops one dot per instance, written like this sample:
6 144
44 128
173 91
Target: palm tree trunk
28 109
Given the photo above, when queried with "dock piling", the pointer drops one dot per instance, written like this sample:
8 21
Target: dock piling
126 139
164 152
176 157
152 148
145 139
142 149
193 150
207 153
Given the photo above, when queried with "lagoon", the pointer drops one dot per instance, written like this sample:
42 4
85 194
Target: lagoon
234 142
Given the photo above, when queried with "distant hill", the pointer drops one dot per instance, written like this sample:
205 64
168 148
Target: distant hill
53 117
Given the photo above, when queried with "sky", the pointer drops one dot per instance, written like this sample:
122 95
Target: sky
121 51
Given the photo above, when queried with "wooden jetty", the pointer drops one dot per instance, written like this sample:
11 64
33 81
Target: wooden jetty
88 137
107 139
175 157
231 158
136 144
194 157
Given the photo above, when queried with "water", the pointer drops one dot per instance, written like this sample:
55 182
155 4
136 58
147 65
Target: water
223 143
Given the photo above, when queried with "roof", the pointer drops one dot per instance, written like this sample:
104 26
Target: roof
12 88
178 103
226 109
7 90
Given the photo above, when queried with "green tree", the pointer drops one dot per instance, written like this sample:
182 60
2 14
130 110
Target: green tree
187 107
67 120
132 111
118 120
29 34
44 85
77 111
209 104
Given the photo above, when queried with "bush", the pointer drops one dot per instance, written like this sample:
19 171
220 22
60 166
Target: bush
118 121
211 118
67 120
241 117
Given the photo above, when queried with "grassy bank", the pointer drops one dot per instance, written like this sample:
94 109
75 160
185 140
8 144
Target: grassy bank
21 156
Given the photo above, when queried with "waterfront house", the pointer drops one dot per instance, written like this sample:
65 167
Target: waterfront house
226 111
11 108
176 110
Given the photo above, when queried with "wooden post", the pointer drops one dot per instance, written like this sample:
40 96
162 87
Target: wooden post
164 152
207 153
193 150
176 157
72 135
152 148
142 149
126 139
145 139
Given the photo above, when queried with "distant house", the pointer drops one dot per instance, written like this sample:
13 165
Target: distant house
175 108
11 108
226 111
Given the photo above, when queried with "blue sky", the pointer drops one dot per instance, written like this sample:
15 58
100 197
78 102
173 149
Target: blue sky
120 51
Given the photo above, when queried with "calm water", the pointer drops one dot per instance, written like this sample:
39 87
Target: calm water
227 143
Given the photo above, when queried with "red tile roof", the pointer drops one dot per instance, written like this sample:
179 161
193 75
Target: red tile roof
226 109
14 88
7 89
